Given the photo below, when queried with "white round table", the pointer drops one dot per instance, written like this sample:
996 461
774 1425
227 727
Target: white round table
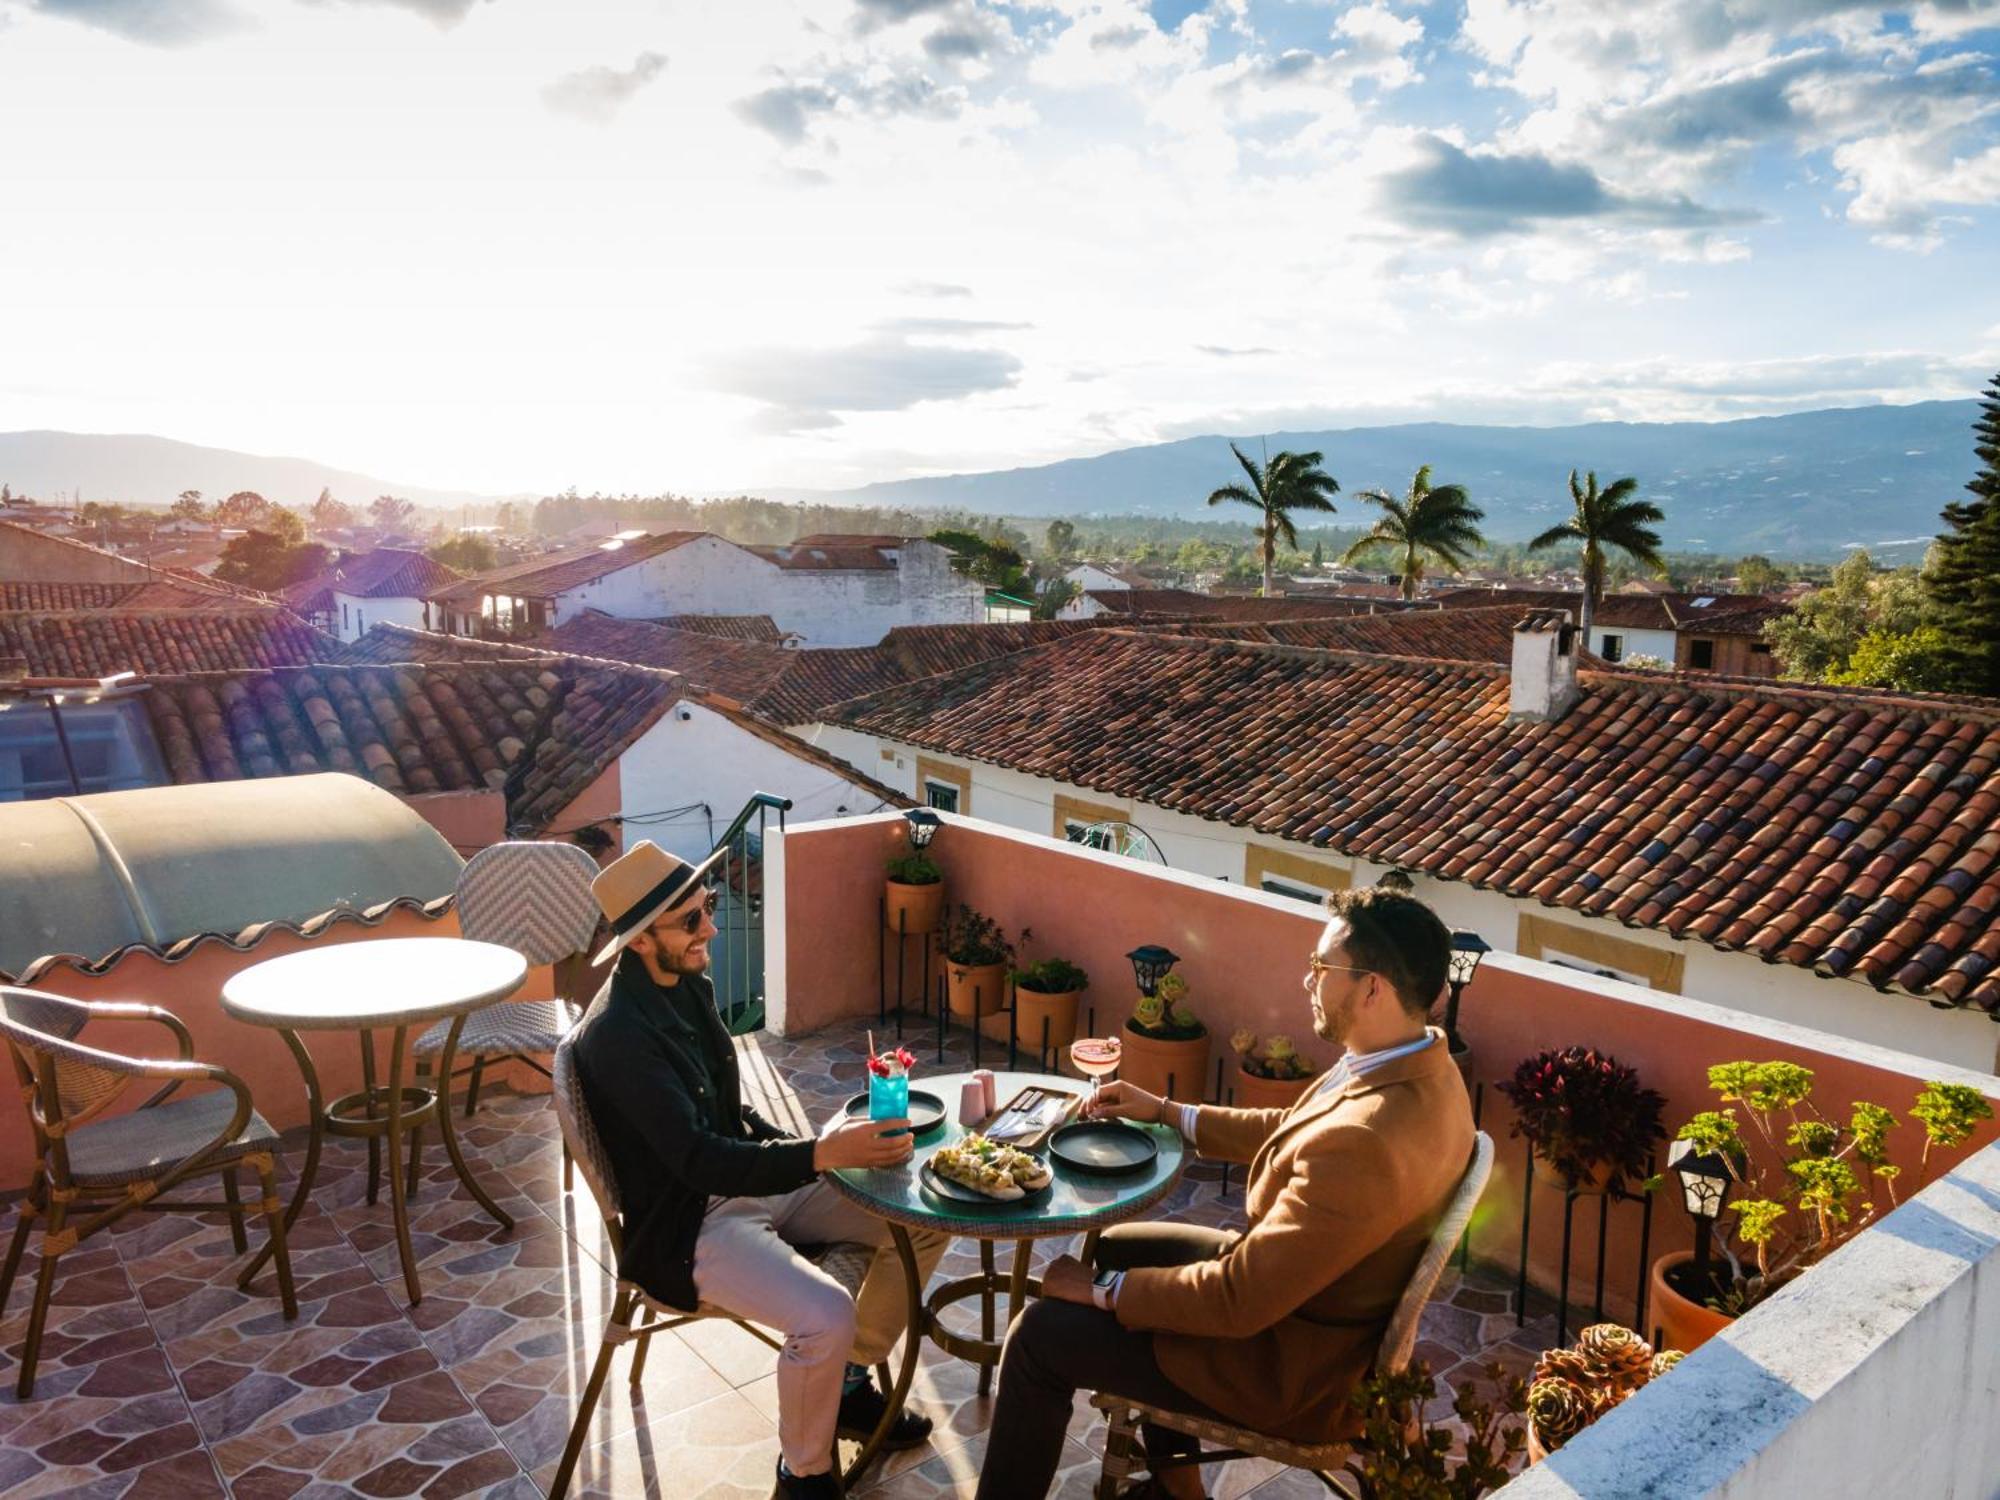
391 984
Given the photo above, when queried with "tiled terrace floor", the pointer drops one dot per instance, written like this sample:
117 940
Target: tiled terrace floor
158 1378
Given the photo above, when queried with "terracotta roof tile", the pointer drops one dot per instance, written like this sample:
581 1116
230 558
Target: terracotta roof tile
162 593
1187 604
730 627
385 573
1853 834
381 644
1462 635
833 554
99 643
741 669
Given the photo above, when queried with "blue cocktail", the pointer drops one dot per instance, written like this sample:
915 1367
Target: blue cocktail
889 1098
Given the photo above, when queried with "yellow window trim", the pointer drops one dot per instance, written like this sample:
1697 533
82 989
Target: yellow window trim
1540 936
1260 860
1068 808
937 770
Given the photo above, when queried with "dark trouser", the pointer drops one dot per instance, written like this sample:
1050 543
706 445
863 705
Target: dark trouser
1056 1349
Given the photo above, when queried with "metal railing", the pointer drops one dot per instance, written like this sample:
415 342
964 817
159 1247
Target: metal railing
736 954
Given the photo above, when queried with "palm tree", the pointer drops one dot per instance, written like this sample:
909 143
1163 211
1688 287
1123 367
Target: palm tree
1606 518
1287 482
1441 523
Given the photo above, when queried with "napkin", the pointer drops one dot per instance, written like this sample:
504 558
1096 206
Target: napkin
1017 1123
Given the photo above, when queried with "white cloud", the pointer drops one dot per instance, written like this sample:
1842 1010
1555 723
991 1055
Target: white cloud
596 94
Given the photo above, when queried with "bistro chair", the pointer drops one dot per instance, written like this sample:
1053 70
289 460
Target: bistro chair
846 1264
534 898
91 1172
1124 1452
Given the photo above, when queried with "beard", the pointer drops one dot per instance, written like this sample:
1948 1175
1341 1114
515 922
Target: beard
1332 1024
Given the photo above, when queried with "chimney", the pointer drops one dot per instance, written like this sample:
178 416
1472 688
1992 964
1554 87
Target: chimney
1543 686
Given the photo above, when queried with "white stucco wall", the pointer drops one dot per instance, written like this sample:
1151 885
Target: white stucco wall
353 615
1082 607
1781 992
695 755
1089 576
1875 1373
1656 643
857 607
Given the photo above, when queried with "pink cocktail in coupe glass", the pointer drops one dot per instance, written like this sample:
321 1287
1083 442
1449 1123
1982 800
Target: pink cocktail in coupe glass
1096 1057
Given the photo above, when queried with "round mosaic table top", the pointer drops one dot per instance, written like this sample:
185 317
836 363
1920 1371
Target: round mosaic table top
1076 1203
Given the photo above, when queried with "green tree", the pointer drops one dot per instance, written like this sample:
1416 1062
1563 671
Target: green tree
187 506
1912 661
1059 540
329 514
1759 575
1606 520
1429 522
265 560
1285 483
244 508
468 552
1049 603
1963 581
995 564
391 513
1319 555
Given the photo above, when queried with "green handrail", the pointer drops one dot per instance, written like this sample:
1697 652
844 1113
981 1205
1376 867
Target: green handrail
739 992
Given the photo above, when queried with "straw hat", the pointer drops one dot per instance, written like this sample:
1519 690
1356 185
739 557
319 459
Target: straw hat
639 885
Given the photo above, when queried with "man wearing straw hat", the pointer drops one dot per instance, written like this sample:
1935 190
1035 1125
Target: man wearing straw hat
715 1196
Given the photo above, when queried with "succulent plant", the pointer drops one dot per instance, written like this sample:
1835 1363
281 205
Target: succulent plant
1559 1411
1562 1364
1278 1058
1242 1041
1582 1108
1172 988
1664 1361
1150 1010
1617 1359
1165 1015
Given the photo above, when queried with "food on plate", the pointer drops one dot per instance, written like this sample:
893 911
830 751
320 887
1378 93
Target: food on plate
1000 1172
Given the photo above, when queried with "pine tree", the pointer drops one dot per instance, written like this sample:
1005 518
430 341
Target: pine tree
1964 577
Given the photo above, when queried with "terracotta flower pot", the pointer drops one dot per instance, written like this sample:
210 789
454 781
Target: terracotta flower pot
913 908
1149 1063
1684 1323
1253 1092
1032 1007
1592 1185
982 984
1537 1451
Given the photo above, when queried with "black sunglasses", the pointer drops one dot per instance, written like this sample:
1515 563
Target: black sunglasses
691 923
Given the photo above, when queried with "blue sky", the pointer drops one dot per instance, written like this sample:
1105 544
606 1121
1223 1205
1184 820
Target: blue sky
663 244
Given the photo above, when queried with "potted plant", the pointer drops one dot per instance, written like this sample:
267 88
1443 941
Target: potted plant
914 896
1045 992
1403 1453
1271 1077
1803 1186
1592 1123
1573 1387
1166 1046
977 957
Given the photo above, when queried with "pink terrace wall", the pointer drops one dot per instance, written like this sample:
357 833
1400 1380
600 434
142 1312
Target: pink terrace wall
192 990
469 821
1244 957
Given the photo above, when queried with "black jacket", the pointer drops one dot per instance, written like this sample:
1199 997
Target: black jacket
650 1101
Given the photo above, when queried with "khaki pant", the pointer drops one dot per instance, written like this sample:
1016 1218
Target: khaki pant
745 1263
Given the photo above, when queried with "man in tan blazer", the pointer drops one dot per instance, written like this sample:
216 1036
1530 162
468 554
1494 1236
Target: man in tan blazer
1271 1328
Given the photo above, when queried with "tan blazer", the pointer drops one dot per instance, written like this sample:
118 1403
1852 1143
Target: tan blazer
1344 1191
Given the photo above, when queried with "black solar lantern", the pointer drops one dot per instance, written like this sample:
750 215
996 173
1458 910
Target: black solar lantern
1704 1178
1467 949
1150 965
921 824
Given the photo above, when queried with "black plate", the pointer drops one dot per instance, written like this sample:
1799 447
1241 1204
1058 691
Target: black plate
1104 1148
943 1187
926 1110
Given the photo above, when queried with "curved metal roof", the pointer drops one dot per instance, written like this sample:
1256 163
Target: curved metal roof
91 876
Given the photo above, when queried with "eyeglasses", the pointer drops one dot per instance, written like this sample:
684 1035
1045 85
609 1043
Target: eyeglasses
691 923
1315 964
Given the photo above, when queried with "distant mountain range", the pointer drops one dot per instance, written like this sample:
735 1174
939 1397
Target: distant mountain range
1800 486
134 469
1807 485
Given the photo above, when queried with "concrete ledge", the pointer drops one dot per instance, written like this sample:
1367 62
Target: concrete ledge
1878 1372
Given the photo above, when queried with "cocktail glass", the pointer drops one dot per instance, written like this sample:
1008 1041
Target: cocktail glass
1097 1058
889 1098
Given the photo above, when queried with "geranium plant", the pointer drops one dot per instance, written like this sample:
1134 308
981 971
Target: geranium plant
972 939
1051 976
1165 1015
1403 1455
1807 1184
1277 1058
1586 1112
916 868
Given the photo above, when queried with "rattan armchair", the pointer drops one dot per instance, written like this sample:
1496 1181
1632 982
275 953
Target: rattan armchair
846 1264
533 897
1124 1453
91 1171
